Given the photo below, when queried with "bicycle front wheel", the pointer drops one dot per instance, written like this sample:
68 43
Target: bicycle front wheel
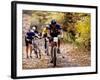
54 56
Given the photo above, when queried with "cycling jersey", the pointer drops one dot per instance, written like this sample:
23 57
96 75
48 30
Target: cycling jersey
54 31
45 31
29 37
57 26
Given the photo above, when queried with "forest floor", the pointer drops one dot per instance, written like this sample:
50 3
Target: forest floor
70 56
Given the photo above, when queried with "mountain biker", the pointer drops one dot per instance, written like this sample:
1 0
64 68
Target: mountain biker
54 30
29 36
45 35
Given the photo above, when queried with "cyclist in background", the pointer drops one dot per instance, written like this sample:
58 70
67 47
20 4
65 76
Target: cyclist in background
29 36
45 35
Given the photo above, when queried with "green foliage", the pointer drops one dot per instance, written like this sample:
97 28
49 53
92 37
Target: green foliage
76 26
83 28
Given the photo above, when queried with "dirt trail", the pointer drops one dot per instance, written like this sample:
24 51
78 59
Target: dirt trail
71 56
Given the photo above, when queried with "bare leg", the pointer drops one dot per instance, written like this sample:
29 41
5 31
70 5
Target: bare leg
31 50
58 46
51 52
58 43
27 51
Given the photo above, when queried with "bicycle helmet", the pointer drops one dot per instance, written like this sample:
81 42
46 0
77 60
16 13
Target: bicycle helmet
53 21
34 28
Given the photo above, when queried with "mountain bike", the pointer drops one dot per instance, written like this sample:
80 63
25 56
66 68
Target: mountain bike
54 50
36 48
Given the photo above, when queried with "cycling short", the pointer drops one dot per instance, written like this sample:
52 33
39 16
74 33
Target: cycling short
28 42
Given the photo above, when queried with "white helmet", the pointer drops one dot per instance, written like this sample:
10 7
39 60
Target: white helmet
34 28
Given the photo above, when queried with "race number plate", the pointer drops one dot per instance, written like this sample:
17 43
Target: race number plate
55 39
